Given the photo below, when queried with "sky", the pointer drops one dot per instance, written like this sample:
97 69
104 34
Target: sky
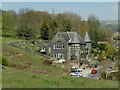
59 0
103 10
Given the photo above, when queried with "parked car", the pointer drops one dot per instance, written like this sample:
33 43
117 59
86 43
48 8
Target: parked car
94 71
76 69
76 74
60 61
110 68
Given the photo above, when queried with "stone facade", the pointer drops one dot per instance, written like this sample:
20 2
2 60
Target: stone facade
70 46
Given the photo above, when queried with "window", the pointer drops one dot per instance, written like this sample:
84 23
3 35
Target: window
58 45
59 55
43 48
62 55
53 55
77 45
56 55
53 46
62 46
75 48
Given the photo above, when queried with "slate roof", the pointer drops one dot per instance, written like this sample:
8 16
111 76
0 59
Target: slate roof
117 37
65 35
87 38
77 39
72 37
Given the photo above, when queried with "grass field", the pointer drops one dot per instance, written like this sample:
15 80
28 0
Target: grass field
26 70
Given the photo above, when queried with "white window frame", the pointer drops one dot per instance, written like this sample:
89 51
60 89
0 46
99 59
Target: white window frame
63 46
59 55
54 46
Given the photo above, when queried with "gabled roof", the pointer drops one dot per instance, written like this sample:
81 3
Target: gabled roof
72 37
77 39
71 34
87 38
65 35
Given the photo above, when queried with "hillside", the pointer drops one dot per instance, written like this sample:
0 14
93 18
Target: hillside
26 70
113 24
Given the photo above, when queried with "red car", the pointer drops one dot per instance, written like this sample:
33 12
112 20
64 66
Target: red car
94 71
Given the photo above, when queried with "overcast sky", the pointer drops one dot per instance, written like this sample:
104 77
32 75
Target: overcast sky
103 10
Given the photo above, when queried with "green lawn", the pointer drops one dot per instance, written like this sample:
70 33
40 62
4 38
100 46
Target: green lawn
26 70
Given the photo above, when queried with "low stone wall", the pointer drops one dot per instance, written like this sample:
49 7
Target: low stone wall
29 47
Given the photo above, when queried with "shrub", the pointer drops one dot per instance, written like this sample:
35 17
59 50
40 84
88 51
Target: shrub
4 61
47 62
103 75
114 75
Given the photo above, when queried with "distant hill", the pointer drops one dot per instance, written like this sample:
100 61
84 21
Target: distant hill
110 23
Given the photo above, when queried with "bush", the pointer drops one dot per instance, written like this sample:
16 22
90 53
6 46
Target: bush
47 62
4 61
103 75
114 75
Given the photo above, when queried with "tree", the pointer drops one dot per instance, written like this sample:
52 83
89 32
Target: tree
76 23
93 26
23 11
44 31
26 24
8 24
109 50
25 32
83 28
52 28
29 20
66 25
33 20
105 34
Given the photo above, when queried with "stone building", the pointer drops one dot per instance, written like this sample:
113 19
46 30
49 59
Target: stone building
70 46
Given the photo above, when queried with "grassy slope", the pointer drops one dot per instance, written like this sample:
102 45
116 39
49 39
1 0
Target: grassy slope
37 75
0 62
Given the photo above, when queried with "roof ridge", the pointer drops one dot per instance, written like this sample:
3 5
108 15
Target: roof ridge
69 37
